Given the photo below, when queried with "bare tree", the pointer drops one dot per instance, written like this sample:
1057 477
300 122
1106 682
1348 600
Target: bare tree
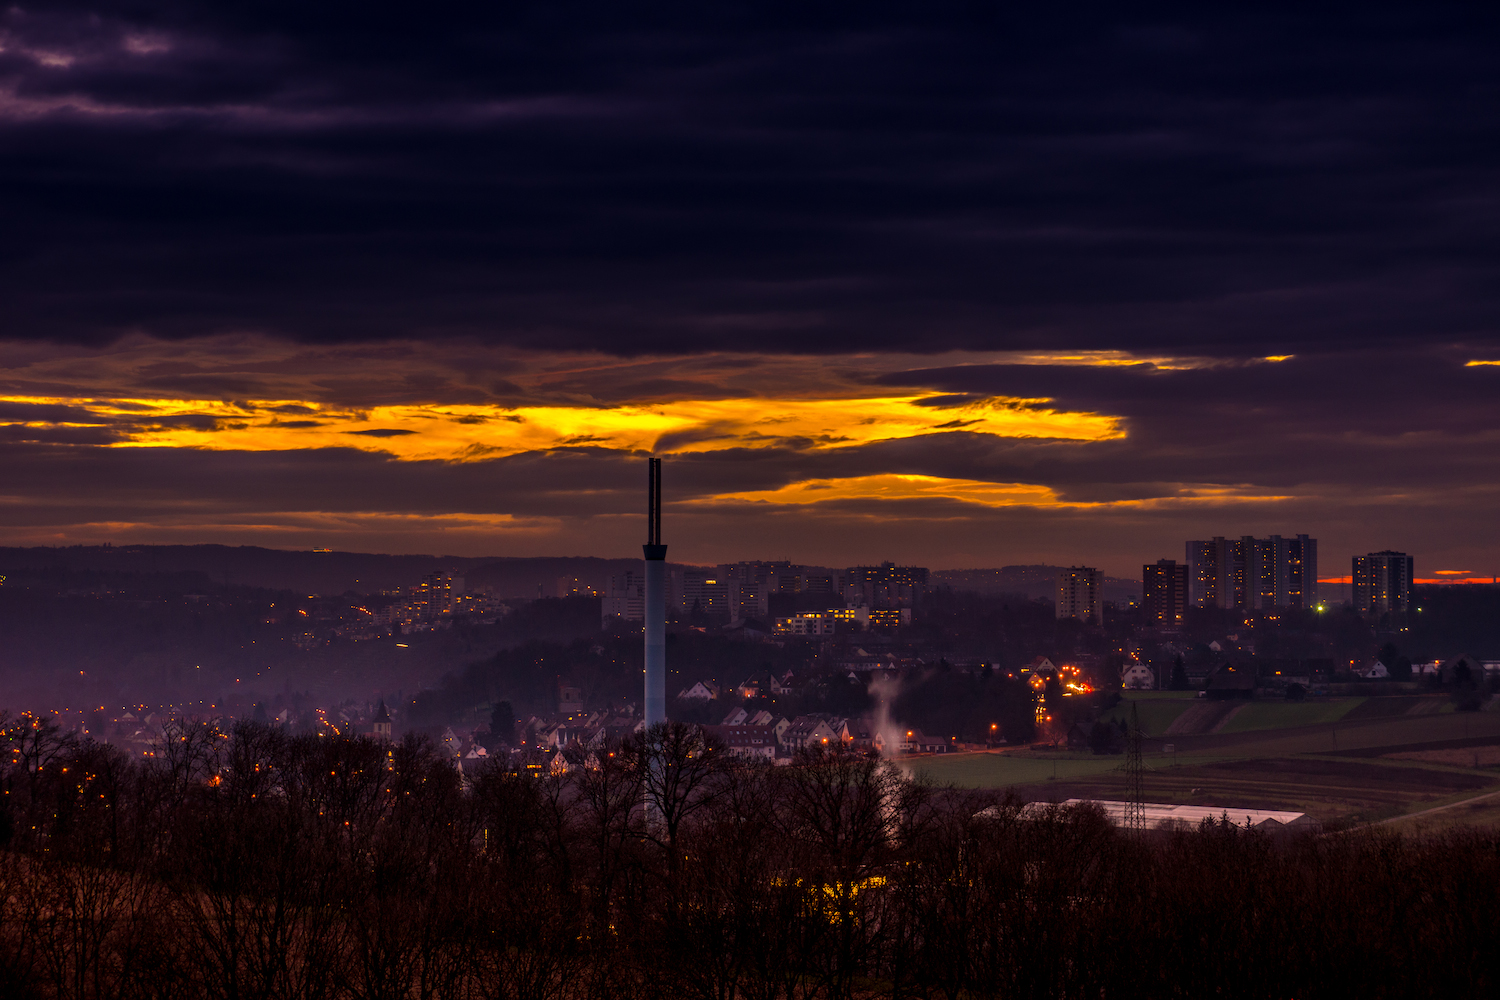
677 764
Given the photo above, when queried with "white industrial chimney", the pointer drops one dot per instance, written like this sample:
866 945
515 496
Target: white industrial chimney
656 602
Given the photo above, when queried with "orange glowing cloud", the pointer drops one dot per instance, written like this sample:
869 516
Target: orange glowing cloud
911 487
459 433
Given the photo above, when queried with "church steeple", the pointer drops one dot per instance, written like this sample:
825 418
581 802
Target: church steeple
382 729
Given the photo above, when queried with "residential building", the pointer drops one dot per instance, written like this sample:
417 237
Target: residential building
749 599
887 617
762 685
885 586
747 740
850 616
440 591
571 586
625 600
864 734
915 741
1302 573
1253 573
1382 582
822 583
778 575
1164 592
757 580
703 691
806 623
710 592
807 731
1078 594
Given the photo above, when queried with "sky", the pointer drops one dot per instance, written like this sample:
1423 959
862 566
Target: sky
956 284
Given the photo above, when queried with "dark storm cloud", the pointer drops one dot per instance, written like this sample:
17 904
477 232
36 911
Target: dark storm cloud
1378 422
55 413
148 483
51 413
771 177
56 435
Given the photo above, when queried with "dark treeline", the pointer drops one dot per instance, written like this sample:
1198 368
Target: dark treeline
257 864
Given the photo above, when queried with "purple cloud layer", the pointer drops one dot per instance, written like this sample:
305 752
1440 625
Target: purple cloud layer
662 178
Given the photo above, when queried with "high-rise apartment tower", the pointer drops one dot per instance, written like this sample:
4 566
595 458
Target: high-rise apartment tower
1078 594
1382 582
1253 573
1165 592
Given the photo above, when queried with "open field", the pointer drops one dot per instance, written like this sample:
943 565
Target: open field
1286 714
1482 810
1382 708
1485 756
1158 709
1329 790
1337 768
1170 713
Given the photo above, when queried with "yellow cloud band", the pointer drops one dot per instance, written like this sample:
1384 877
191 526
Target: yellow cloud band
899 487
891 486
468 432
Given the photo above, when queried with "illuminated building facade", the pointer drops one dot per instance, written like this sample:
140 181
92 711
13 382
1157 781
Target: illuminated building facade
756 581
440 592
714 592
827 584
1164 592
806 623
753 583
625 599
1253 573
1302 573
571 586
885 586
888 617
1078 594
707 591
850 616
1382 582
744 589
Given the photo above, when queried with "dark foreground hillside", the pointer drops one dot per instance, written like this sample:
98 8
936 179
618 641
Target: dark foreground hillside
254 864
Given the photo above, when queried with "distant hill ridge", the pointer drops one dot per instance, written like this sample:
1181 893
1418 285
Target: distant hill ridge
1033 580
311 572
366 572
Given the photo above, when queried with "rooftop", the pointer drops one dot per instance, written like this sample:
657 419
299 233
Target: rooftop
1159 813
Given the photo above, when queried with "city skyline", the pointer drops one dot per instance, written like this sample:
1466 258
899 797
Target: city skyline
944 287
